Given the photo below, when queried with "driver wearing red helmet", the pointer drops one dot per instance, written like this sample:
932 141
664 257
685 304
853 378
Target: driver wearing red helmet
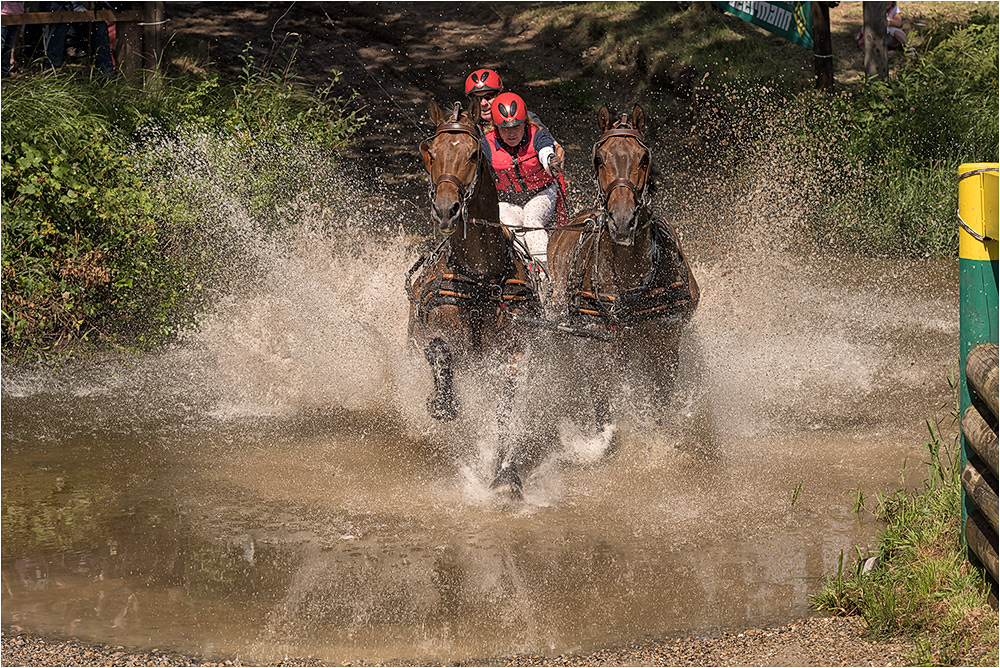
527 172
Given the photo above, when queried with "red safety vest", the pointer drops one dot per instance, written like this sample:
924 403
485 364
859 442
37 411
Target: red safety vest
523 171
520 172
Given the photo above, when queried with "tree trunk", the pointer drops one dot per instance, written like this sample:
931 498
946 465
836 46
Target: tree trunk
876 55
152 39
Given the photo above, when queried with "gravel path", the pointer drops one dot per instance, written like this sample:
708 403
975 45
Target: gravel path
835 641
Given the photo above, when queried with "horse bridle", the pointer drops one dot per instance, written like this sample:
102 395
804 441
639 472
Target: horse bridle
621 129
464 191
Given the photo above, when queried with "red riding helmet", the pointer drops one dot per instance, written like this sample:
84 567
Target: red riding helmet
509 110
483 81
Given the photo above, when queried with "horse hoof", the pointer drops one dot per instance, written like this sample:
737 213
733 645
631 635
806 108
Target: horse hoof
508 483
444 409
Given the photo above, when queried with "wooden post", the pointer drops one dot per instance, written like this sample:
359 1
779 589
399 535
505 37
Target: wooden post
130 51
822 45
979 377
876 55
152 34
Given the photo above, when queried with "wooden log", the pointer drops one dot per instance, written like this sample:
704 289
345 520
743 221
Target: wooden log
984 496
982 546
981 373
37 18
980 437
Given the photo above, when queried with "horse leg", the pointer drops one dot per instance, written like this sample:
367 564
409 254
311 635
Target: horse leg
442 404
505 475
604 378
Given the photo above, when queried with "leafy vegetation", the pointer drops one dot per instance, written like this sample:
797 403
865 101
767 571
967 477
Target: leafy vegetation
922 586
907 137
99 243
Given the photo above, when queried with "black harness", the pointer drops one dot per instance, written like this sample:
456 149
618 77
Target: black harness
666 292
443 284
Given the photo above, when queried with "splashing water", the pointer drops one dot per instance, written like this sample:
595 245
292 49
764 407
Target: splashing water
272 484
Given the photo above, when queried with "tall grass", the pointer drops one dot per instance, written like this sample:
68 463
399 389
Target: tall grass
923 586
905 138
99 245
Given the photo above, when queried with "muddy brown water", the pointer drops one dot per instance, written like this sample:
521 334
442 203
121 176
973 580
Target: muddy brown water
271 485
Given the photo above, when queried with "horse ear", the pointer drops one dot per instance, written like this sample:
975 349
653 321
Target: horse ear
604 119
472 111
437 116
638 118
425 151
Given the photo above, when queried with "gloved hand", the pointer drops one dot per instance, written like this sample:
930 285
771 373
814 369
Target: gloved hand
555 165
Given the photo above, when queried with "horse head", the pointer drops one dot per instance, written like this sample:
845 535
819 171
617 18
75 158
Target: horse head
621 168
452 158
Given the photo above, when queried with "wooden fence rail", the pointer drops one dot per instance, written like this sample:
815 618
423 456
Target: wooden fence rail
139 32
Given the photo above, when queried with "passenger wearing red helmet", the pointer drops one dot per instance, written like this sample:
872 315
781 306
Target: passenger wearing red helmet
527 172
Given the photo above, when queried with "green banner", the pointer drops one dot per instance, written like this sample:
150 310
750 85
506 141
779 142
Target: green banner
791 20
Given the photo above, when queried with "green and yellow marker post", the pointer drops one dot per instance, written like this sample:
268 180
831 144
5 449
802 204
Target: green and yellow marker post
978 213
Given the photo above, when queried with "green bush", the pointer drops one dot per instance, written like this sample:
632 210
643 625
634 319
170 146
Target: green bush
98 244
907 135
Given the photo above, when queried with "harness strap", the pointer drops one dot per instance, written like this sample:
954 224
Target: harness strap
664 294
619 183
471 292
451 178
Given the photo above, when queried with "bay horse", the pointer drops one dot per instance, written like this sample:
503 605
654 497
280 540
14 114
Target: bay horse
470 287
618 272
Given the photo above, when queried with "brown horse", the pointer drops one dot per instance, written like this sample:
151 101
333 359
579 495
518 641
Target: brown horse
618 271
464 300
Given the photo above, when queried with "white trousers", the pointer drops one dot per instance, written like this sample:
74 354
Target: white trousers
537 213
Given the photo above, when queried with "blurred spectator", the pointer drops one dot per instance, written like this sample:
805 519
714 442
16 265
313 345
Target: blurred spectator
7 35
60 35
895 37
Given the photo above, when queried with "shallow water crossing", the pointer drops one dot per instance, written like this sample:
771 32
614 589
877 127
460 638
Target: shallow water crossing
272 485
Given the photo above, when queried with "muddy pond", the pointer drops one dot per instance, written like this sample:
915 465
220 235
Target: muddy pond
272 486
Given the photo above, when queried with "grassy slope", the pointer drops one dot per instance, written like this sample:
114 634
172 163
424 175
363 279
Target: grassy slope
653 43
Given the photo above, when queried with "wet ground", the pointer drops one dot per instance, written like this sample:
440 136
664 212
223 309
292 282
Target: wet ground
817 641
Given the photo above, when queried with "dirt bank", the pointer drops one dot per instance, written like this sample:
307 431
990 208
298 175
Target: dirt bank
808 642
